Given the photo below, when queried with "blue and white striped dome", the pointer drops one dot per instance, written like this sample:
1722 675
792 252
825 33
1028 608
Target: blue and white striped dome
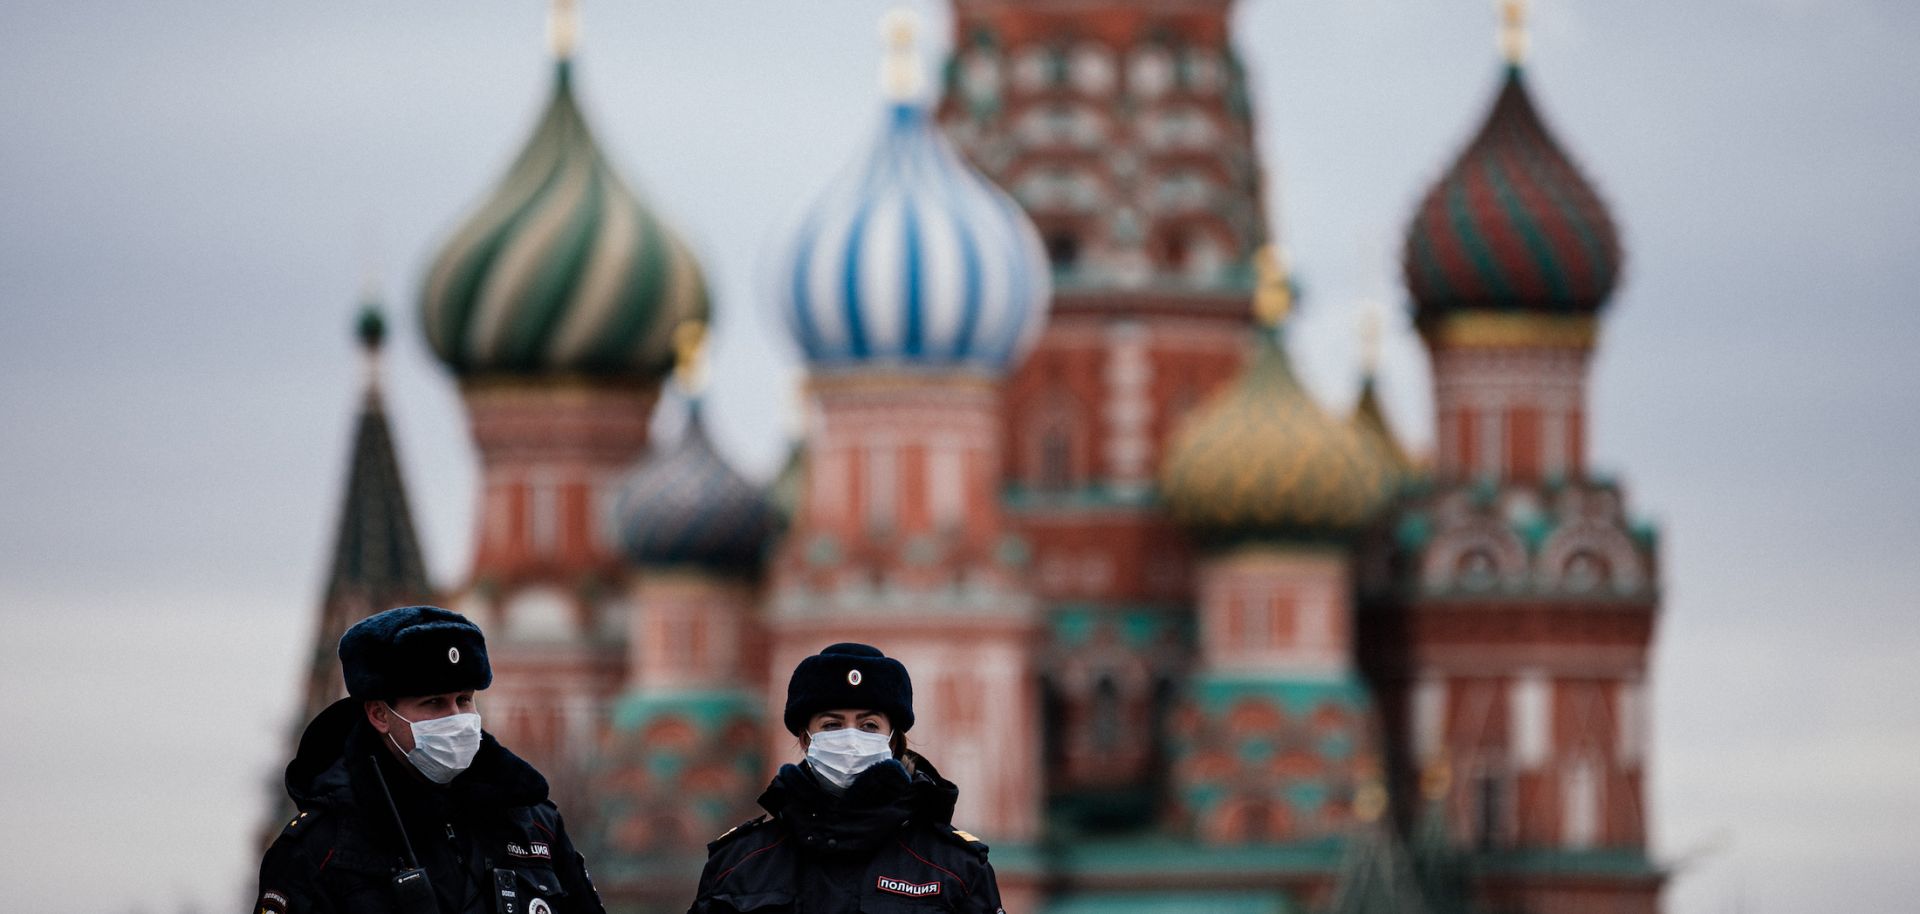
915 260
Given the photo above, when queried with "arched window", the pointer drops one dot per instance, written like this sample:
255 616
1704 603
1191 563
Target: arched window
1051 463
1092 69
1172 249
543 513
1150 72
1108 718
1584 571
1489 810
1063 250
1056 459
1477 570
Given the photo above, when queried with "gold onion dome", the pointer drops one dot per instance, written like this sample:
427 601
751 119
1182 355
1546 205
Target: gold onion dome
562 270
1263 458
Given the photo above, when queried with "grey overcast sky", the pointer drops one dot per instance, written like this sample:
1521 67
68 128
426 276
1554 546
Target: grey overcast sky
190 193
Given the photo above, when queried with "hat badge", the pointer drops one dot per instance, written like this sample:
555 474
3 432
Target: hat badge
853 677
453 655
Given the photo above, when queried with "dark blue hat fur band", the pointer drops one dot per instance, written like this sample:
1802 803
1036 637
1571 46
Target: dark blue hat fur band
849 675
413 650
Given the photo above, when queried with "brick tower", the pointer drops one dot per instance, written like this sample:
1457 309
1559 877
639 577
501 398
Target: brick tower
912 287
686 753
554 304
1125 130
1275 731
1511 643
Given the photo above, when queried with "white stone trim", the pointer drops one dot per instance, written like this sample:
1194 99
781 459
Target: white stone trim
1530 715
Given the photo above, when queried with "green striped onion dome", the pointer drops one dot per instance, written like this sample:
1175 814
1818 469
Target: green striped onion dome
562 270
1512 226
1262 458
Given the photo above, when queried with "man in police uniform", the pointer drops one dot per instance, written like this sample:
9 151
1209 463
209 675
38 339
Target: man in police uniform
406 805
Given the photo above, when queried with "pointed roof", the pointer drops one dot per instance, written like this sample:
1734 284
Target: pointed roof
1369 422
789 485
375 548
1444 871
1377 874
376 562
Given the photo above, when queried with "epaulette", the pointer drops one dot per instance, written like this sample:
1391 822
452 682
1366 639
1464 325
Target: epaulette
298 826
964 838
738 830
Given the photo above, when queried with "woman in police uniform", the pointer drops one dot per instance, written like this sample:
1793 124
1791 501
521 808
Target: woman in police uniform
862 823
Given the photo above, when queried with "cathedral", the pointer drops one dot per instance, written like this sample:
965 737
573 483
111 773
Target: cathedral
1187 639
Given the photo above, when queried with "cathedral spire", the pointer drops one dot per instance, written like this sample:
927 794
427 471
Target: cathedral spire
1377 875
375 549
376 562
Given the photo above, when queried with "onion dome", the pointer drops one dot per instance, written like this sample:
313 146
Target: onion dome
1512 226
562 270
686 505
913 259
1262 457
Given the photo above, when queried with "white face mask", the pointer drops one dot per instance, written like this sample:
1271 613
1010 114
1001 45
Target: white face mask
444 746
840 755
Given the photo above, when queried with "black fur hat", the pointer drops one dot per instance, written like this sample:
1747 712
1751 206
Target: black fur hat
413 650
848 675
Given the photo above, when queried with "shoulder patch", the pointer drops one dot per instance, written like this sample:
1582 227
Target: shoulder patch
739 830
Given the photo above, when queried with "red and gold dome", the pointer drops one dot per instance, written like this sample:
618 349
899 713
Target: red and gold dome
1512 227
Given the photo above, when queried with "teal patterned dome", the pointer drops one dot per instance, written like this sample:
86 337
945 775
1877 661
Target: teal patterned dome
562 270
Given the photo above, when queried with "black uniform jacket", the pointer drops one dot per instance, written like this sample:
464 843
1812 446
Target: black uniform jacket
886 845
489 841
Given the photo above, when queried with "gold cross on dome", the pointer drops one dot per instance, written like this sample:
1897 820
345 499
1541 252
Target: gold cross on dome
1513 30
1273 291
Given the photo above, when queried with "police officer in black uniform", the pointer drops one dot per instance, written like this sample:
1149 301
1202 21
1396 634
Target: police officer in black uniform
863 824
406 805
